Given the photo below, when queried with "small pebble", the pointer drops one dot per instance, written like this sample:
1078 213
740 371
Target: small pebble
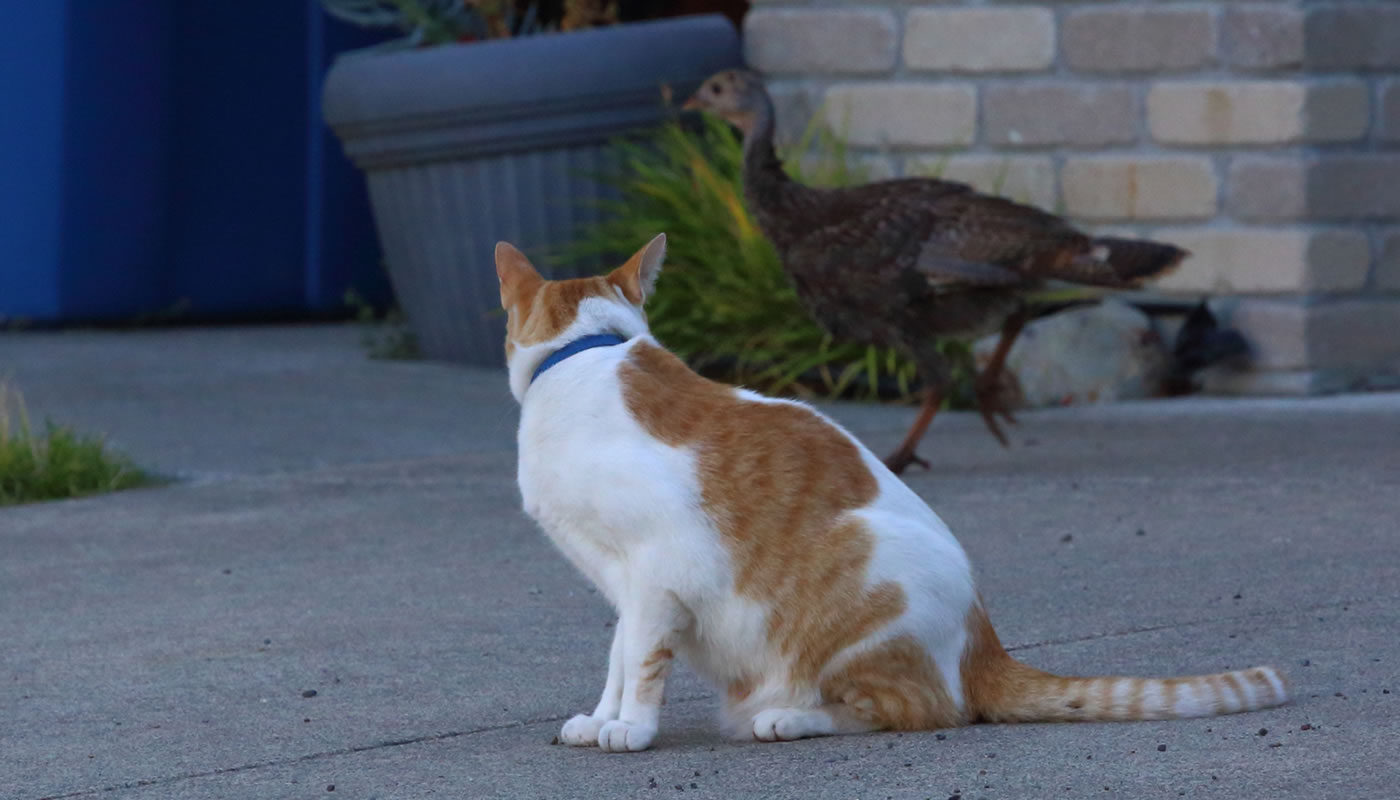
1161 748
228 572
1305 727
693 786
1277 744
1239 597
309 693
554 741
1305 662
330 787
1068 537
1141 532
1263 731
940 737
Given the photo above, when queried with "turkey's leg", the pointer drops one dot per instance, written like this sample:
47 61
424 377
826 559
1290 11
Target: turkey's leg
989 400
904 455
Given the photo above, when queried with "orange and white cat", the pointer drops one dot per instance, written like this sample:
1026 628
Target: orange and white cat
763 543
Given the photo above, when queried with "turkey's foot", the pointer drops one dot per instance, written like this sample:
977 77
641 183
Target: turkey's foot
900 460
992 402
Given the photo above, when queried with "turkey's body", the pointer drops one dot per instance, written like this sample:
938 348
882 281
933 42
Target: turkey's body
903 263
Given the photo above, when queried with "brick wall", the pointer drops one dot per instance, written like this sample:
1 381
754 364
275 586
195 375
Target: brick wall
1264 135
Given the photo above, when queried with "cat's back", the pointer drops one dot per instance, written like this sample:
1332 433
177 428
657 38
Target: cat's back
634 421
763 467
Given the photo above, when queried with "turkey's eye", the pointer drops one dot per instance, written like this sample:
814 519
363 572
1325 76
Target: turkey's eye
714 88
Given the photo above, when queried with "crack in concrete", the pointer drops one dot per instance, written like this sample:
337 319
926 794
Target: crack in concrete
1191 623
343 751
437 737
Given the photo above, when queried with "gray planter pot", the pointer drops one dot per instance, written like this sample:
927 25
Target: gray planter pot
466 145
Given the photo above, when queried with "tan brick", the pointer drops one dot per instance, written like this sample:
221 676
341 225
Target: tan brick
1338 111
979 39
1263 37
825 41
1352 36
1354 186
1264 189
1388 266
795 103
1338 260
1355 333
1042 114
1277 332
903 114
819 169
1024 179
1388 124
1266 260
1138 38
1139 187
1256 112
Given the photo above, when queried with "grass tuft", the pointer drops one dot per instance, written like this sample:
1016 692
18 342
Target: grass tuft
57 462
723 303
385 337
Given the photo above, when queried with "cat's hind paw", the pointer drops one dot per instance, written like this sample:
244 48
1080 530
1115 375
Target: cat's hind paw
617 736
786 724
582 730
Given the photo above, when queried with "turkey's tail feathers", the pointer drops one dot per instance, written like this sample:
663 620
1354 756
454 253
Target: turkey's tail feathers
1130 262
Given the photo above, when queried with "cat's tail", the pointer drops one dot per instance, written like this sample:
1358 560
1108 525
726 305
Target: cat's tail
999 688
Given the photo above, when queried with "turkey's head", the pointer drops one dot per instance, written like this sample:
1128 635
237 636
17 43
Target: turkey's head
736 95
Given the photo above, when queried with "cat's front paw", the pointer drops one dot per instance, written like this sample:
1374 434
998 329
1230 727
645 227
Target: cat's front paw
617 736
582 730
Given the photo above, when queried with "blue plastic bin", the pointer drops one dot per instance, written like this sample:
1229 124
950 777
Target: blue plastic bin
168 158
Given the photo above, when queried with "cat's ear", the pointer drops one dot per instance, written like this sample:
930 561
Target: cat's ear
517 275
637 277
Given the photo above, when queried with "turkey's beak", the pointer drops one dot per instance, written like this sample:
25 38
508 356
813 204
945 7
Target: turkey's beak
693 104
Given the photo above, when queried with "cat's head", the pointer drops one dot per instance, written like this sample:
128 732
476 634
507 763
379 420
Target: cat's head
543 315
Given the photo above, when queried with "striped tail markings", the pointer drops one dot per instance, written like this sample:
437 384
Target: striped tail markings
1001 689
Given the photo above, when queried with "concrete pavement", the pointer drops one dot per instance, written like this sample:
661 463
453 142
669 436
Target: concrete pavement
351 528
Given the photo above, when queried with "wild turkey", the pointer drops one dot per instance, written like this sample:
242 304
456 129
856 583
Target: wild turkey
901 263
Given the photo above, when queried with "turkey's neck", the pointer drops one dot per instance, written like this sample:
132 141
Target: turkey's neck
772 196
